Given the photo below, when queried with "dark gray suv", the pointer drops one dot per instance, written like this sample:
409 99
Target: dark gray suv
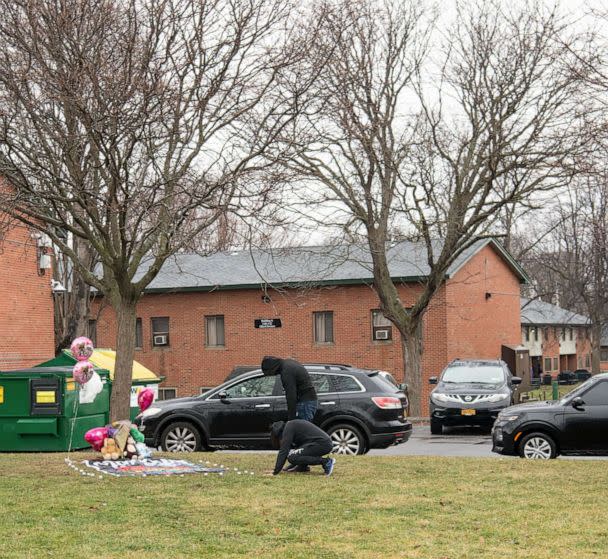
358 409
471 392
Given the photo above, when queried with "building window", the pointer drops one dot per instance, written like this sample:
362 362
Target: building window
139 334
382 328
546 334
580 362
204 389
527 333
160 331
563 335
547 364
570 334
588 360
323 324
555 364
93 332
167 393
536 333
604 355
214 331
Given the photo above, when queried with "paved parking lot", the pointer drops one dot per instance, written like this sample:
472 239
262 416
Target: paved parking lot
455 441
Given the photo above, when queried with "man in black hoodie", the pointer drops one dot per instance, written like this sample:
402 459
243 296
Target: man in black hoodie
301 443
299 391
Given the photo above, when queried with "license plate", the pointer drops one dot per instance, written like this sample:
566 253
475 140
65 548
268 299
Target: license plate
467 412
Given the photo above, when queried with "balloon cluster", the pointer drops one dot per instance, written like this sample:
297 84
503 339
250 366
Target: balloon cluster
84 372
122 439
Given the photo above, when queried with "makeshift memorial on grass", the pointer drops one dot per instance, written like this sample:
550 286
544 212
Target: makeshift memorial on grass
120 440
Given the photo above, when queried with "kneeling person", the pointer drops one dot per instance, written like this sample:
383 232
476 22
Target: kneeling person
302 444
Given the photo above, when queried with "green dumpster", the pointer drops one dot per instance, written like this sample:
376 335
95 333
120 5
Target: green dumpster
142 377
40 410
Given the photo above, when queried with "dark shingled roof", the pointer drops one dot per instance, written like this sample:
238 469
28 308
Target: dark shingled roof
308 266
535 311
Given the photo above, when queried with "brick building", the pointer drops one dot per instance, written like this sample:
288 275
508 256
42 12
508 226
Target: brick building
558 339
202 316
26 301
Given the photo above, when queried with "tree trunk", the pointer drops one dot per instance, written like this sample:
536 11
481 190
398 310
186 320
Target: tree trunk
596 337
412 360
125 350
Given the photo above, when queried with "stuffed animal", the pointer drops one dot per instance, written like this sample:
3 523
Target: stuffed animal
109 450
130 448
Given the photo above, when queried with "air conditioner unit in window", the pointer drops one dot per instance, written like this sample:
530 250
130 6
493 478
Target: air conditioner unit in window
160 340
382 334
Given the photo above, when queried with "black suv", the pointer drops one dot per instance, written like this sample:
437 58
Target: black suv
358 408
576 424
470 392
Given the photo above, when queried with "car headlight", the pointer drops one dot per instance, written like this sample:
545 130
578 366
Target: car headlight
439 398
498 397
150 412
511 417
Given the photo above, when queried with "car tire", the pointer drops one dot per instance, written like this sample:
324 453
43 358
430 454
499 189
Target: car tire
347 439
537 446
181 437
436 427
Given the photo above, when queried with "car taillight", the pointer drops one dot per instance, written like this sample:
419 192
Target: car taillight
387 402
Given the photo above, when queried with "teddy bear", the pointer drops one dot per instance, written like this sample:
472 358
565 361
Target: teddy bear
109 450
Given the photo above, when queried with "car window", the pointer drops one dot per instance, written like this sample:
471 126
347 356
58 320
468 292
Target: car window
469 373
321 383
597 395
252 388
345 383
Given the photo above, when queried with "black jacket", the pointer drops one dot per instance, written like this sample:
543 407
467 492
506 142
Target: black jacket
295 380
299 433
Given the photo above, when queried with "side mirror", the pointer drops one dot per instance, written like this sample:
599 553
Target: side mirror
223 396
577 402
515 380
403 387
432 380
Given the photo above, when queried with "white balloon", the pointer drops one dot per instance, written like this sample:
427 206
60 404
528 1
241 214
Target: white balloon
89 390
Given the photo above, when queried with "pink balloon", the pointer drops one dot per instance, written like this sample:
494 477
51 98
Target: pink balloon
82 348
96 436
145 399
83 371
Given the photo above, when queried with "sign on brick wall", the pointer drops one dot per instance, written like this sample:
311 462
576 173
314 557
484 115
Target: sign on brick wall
267 322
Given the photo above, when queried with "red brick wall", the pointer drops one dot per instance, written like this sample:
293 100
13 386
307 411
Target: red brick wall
478 325
26 304
447 331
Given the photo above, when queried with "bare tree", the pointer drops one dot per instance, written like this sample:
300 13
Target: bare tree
400 142
135 124
575 254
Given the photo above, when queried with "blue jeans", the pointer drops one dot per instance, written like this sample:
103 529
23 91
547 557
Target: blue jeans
306 410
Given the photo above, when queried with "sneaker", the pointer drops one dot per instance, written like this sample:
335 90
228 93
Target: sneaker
294 468
328 467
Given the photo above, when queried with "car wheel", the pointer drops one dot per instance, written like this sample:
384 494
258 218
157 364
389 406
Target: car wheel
436 427
347 439
181 437
537 446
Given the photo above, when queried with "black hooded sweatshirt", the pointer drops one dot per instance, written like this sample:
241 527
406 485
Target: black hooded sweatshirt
295 434
295 380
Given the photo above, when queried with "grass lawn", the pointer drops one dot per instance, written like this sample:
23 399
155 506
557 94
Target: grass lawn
371 507
546 392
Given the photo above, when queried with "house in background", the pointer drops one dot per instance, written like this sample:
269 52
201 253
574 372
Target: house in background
557 339
202 316
26 299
